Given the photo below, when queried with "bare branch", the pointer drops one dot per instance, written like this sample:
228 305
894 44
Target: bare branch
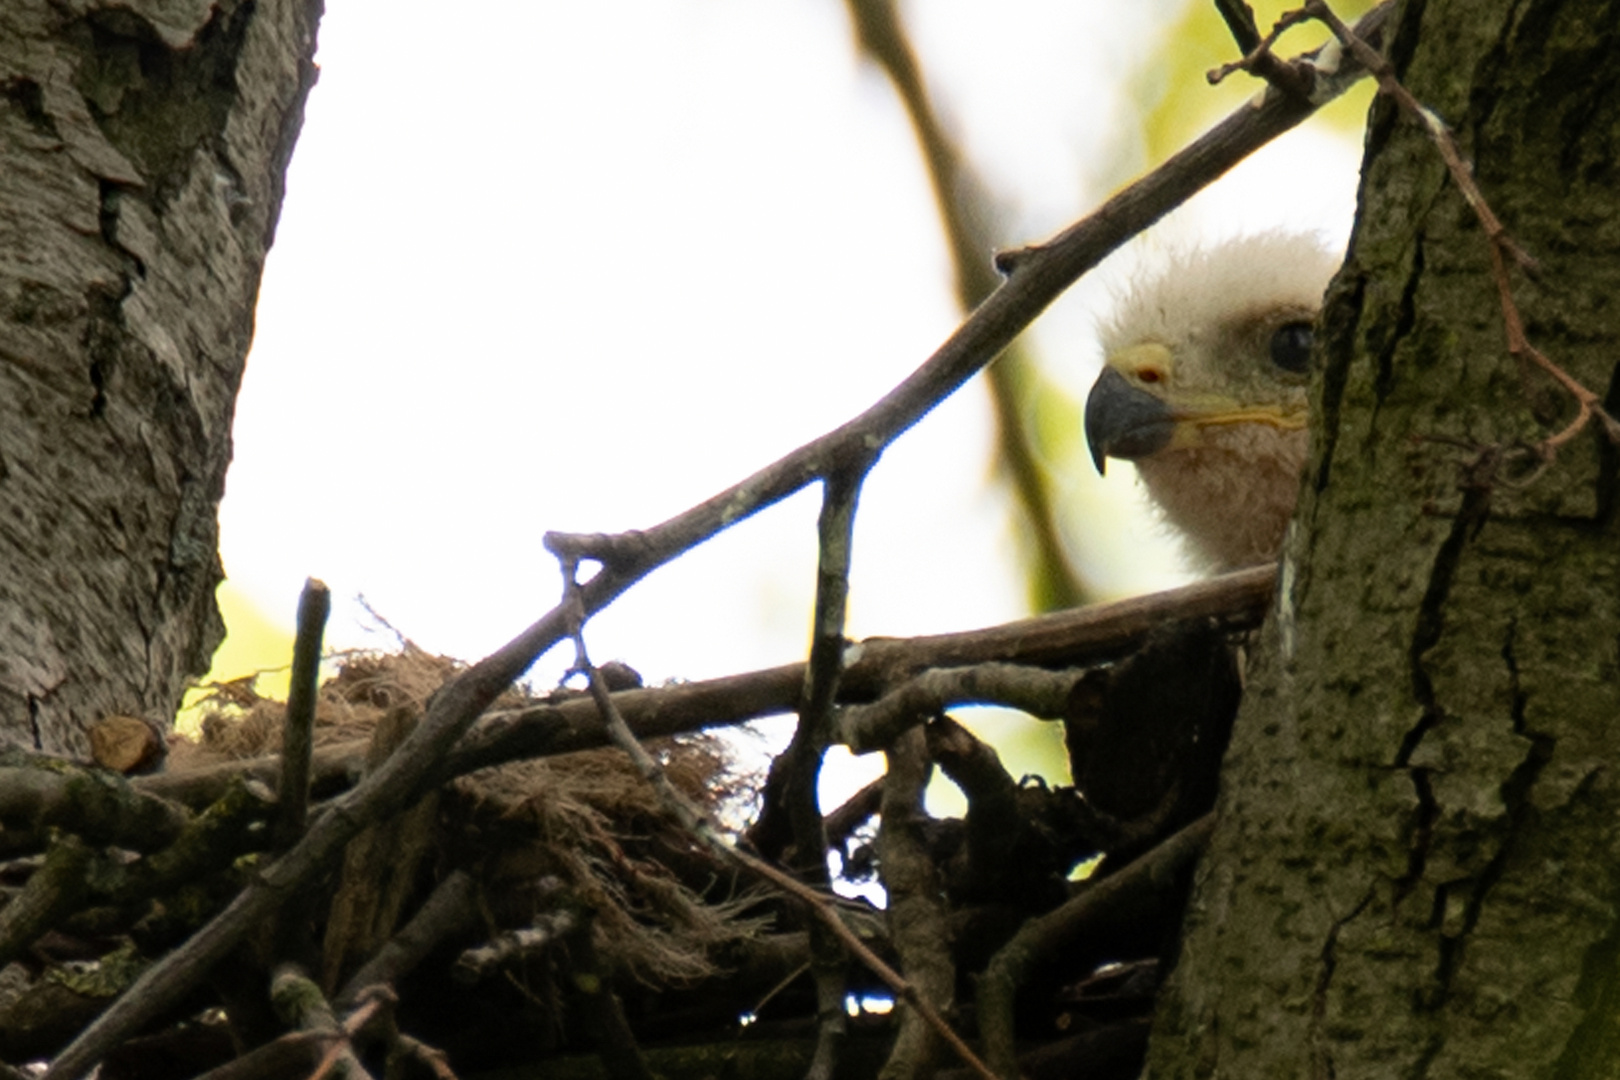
1258 59
801 762
39 793
917 909
298 732
1143 881
476 964
864 728
448 911
1065 638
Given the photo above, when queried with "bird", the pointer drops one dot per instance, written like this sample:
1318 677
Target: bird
1204 388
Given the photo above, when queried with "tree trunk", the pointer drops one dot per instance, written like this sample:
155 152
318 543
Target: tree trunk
142 152
1417 865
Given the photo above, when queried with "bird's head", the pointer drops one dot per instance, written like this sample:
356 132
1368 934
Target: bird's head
1204 389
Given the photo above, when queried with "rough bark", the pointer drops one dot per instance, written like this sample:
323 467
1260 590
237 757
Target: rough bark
1417 870
143 145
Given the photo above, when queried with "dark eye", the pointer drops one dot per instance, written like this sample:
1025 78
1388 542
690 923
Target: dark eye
1291 347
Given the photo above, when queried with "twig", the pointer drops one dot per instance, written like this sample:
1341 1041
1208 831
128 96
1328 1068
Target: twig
1501 245
1239 19
447 912
802 760
376 1010
430 1057
864 728
916 911
1050 935
1258 59
449 714
298 732
1079 247
475 964
995 829
299 1002
698 824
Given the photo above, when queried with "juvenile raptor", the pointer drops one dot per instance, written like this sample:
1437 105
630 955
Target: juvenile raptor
1204 390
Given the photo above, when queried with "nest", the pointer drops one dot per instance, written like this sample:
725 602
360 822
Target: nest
583 826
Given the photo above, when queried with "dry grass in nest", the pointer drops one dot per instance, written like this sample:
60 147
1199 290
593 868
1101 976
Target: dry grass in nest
587 820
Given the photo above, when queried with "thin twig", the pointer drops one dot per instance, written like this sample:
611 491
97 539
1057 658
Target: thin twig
1258 59
1239 19
1044 694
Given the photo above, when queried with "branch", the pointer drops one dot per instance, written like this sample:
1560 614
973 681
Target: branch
801 761
864 728
917 909
1258 59
39 793
300 1004
56 890
298 732
449 714
547 929
447 912
1139 884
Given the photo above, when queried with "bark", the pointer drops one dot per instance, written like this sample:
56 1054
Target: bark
143 145
1416 870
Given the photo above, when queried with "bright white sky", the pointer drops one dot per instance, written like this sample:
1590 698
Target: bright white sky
578 266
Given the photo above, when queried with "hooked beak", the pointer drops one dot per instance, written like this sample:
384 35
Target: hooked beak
1124 421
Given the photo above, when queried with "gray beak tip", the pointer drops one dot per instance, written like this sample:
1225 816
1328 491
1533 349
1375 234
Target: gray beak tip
1124 421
